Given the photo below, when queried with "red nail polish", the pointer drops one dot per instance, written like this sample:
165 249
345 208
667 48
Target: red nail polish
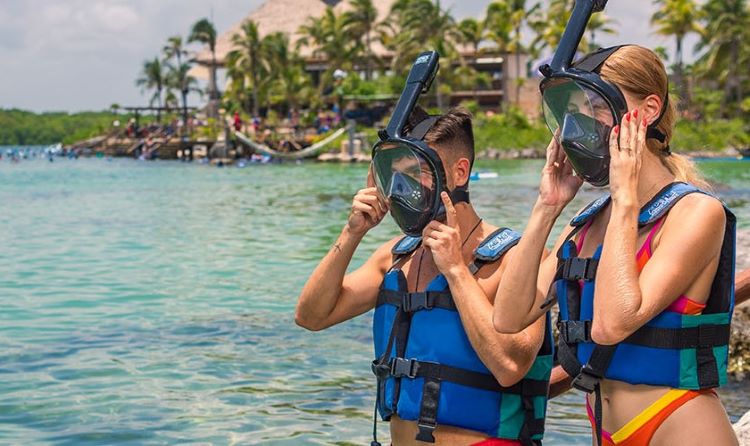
635 113
627 117
645 122
616 129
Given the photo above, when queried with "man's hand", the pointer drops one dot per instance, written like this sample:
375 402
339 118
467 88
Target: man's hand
444 240
368 209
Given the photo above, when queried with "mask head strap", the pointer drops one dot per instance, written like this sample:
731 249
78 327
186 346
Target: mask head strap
421 129
593 62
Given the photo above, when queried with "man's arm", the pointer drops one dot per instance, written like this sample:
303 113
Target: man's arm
330 296
508 356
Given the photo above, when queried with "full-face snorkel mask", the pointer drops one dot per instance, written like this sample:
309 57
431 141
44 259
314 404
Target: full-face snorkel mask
407 171
580 107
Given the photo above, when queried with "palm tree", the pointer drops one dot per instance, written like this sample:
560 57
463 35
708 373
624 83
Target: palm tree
359 22
179 79
677 18
519 15
203 31
174 49
417 25
472 33
152 78
727 31
328 37
549 24
247 56
500 26
289 85
600 23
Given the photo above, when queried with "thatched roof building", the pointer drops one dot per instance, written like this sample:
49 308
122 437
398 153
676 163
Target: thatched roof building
286 16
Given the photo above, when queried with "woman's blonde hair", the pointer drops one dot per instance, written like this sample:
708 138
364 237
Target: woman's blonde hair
639 72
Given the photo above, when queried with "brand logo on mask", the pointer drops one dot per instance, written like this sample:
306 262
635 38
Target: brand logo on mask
422 59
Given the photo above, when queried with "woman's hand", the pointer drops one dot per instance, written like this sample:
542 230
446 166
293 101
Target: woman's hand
626 145
368 208
559 184
444 240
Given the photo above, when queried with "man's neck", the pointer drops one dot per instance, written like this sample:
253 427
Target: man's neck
467 219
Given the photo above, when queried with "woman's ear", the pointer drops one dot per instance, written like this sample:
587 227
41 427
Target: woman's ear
652 108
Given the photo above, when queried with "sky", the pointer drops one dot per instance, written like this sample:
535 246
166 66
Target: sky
73 55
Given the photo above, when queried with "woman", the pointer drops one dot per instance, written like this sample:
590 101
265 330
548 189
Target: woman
643 279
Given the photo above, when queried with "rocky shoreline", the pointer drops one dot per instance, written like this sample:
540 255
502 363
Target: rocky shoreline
537 153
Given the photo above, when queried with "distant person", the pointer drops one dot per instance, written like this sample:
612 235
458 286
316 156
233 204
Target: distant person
237 122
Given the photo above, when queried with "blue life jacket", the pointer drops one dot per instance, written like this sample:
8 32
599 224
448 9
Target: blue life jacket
428 371
673 350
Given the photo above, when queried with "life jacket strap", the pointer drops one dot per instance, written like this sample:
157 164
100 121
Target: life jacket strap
428 410
420 300
574 332
412 368
577 268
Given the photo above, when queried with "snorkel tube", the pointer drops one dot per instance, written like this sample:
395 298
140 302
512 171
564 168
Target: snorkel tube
419 81
572 36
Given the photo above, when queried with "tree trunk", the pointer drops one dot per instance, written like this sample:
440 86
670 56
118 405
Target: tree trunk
518 66
736 81
158 103
679 74
368 63
439 97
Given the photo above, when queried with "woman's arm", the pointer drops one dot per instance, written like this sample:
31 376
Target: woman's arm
691 241
519 298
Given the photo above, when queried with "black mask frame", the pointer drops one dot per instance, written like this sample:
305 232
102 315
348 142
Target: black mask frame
418 82
586 72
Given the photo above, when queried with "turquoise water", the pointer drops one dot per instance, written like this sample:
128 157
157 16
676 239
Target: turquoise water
152 303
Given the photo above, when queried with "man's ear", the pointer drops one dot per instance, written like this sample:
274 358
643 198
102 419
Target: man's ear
461 171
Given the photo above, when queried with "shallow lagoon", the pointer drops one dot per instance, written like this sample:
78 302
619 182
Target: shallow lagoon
152 303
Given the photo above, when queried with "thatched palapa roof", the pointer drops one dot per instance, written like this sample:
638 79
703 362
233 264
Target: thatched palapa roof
286 16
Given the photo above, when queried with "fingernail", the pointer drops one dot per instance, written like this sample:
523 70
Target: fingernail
616 129
644 122
635 113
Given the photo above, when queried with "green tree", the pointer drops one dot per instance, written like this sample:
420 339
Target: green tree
247 57
329 39
203 31
153 78
600 23
178 78
290 85
359 23
416 25
175 49
727 53
677 18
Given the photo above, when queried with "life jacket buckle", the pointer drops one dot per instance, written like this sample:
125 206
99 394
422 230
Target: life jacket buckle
576 268
401 367
574 332
587 379
425 432
416 301
380 370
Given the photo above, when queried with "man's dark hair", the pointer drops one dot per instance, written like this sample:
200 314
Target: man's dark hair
452 134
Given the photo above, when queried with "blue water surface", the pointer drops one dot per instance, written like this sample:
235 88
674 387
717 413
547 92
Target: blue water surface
152 303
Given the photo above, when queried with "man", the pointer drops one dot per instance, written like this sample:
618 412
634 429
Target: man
444 374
